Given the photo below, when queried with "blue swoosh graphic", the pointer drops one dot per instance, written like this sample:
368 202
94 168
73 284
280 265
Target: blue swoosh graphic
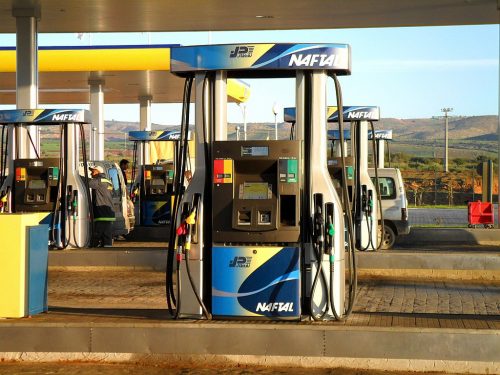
288 52
287 277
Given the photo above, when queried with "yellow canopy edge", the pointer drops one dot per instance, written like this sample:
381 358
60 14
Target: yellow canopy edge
110 59
102 59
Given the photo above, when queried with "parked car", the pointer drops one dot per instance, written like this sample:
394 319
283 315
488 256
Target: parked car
394 204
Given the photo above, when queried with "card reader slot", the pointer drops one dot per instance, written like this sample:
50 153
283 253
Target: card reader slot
244 217
264 217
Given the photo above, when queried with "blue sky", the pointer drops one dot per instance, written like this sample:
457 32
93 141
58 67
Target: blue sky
409 72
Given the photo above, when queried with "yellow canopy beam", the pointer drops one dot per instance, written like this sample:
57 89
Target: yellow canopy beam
108 58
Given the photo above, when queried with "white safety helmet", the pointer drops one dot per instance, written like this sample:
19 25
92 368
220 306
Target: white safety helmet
97 168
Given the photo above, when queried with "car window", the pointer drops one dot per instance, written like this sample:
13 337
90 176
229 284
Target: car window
386 187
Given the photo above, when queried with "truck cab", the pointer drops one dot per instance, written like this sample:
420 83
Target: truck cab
394 204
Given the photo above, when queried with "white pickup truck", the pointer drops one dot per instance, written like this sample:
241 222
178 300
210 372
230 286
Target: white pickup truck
394 204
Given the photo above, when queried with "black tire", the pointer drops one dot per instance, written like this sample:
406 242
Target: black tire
388 239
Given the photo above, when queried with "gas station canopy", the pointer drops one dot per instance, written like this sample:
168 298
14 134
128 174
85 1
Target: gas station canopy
127 73
196 15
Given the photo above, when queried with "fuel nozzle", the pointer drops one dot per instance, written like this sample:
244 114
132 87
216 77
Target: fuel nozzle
330 232
318 219
74 204
182 232
134 194
191 220
4 195
69 199
181 236
370 202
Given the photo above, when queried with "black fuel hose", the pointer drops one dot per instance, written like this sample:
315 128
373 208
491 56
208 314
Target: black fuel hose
90 218
178 178
354 151
134 166
184 151
55 209
64 196
369 224
60 206
3 155
179 191
377 188
320 273
195 289
369 219
178 305
33 144
318 252
353 278
318 246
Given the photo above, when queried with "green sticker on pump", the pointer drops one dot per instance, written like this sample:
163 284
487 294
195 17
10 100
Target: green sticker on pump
53 173
292 170
350 172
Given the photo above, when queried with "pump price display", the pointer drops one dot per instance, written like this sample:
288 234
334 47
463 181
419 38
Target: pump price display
254 151
37 184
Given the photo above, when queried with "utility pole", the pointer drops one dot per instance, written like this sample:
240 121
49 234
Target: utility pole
446 110
276 110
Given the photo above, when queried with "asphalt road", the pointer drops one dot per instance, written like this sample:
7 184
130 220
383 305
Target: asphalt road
441 216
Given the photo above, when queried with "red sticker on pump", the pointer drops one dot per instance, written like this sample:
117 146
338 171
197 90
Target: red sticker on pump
218 171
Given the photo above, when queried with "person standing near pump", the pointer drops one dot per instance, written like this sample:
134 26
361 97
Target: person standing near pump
102 203
124 167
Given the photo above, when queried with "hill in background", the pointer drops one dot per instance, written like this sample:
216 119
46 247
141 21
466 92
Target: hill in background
481 128
469 137
459 128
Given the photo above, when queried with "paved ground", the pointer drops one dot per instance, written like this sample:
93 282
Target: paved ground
429 298
441 216
118 301
140 294
144 289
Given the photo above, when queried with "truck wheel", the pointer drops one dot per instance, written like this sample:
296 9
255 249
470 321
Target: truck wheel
388 239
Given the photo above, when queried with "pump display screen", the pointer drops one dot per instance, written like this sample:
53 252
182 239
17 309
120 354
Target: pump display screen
255 190
157 182
37 184
254 151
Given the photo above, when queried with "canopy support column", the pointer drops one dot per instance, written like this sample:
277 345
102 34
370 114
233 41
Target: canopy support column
145 124
27 73
97 111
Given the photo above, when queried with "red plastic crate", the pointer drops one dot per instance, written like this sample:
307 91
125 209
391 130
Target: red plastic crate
480 213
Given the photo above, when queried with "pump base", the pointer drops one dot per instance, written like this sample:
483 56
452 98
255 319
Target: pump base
256 282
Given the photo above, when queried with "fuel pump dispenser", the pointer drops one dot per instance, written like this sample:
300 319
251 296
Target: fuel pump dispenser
365 195
51 185
382 138
261 224
153 185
